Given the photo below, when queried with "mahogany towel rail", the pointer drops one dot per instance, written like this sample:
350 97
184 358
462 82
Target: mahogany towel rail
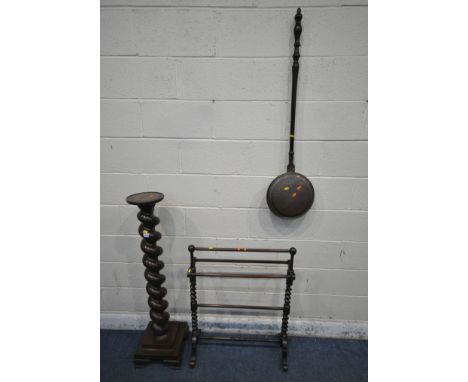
192 274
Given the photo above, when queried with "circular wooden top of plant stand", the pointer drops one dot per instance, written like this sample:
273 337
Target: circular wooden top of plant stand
145 198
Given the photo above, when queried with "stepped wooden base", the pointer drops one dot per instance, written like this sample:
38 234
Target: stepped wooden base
167 348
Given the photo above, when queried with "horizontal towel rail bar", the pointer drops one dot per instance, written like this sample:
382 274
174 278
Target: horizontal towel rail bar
239 275
257 338
228 306
241 261
224 249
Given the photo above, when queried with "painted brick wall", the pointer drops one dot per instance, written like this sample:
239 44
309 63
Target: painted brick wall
195 104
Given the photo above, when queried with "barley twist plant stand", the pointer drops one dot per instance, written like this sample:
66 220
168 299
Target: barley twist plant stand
162 339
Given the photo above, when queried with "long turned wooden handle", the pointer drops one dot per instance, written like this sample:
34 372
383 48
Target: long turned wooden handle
295 72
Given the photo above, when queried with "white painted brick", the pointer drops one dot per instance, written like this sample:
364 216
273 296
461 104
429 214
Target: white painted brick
185 190
116 187
205 119
329 307
335 282
184 3
233 157
236 32
125 299
311 158
335 31
118 32
254 120
353 256
303 305
270 158
233 120
177 119
250 120
121 248
270 120
293 3
216 222
254 33
234 3
122 275
157 32
331 120
132 77
339 78
335 158
110 219
233 79
315 225
239 191
215 157
175 32
353 2
268 32
139 156
120 118
340 193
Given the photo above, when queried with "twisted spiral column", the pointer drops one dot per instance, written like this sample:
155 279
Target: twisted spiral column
193 303
146 203
287 310
287 307
193 306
